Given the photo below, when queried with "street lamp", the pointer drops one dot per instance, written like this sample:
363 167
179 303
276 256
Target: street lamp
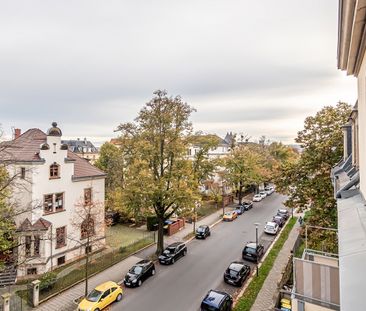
223 203
256 243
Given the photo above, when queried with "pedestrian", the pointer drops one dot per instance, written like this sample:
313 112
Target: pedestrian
300 221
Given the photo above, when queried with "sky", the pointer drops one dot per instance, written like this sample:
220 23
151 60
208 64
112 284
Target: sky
252 67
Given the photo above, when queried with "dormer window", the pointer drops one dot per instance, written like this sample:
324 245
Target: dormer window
54 171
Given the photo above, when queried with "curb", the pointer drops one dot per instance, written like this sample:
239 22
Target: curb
91 275
241 292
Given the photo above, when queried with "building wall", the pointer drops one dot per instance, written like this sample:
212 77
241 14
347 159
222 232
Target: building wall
73 195
362 126
308 306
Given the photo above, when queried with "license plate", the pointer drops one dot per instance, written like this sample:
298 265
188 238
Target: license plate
162 261
249 255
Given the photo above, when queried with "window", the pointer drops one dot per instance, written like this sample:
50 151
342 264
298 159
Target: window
31 271
60 237
87 228
53 203
48 203
36 245
61 260
22 172
28 245
54 171
87 196
59 202
105 294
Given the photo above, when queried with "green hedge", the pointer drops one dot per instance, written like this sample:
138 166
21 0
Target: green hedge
247 300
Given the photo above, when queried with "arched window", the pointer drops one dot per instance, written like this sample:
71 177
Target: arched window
87 228
54 170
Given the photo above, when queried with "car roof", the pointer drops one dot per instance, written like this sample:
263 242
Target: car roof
256 194
271 223
214 298
203 226
143 262
236 265
104 286
251 245
175 244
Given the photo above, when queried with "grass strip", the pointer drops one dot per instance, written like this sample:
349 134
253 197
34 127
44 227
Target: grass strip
247 300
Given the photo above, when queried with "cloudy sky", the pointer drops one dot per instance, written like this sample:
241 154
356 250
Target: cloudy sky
256 67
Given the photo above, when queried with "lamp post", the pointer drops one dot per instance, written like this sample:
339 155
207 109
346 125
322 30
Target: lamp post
223 203
256 244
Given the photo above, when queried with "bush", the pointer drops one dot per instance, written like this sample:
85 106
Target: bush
152 223
47 281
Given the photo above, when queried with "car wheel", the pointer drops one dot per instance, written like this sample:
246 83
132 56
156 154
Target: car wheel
173 261
139 283
153 272
119 297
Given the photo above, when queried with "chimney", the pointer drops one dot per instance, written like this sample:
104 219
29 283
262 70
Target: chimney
17 133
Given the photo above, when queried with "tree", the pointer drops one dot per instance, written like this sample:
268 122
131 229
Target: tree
307 180
89 227
158 140
243 167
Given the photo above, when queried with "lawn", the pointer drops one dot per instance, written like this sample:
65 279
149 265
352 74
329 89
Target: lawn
120 235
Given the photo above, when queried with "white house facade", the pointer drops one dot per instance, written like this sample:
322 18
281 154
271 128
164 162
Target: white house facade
53 184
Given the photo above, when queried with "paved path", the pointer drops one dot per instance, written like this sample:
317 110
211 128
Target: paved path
268 294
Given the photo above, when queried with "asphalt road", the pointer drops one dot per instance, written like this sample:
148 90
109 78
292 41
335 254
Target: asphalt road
181 287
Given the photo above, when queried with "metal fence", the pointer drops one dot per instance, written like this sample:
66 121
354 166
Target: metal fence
97 263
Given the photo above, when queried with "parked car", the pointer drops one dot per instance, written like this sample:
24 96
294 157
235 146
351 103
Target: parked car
279 220
236 273
172 253
257 198
284 213
202 232
239 209
263 194
100 297
253 252
217 301
269 190
139 273
230 216
271 227
247 205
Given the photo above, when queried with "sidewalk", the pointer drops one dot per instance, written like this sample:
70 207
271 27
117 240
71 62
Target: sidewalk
64 301
267 296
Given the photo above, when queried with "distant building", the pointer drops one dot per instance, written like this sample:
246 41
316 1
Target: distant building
52 183
83 148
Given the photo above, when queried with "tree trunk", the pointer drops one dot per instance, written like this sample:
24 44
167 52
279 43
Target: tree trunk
160 244
240 192
86 269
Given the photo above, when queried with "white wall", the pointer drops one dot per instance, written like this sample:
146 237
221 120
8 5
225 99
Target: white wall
362 125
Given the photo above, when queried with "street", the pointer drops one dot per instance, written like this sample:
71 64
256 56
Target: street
182 286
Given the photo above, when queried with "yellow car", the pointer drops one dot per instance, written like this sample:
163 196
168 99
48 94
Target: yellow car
230 216
100 297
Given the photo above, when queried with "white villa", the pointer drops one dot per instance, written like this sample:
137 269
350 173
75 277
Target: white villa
52 183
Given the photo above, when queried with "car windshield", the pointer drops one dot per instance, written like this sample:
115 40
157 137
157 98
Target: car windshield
136 270
233 273
94 295
228 213
270 226
250 250
169 250
277 218
200 229
206 307
257 195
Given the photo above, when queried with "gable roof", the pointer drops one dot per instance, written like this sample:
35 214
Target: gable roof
27 146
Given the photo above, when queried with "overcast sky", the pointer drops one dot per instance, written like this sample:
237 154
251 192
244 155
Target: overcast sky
257 67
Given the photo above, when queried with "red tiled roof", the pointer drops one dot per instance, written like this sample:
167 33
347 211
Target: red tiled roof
40 224
27 146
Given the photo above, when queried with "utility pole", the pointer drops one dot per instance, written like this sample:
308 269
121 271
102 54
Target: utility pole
223 194
256 244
